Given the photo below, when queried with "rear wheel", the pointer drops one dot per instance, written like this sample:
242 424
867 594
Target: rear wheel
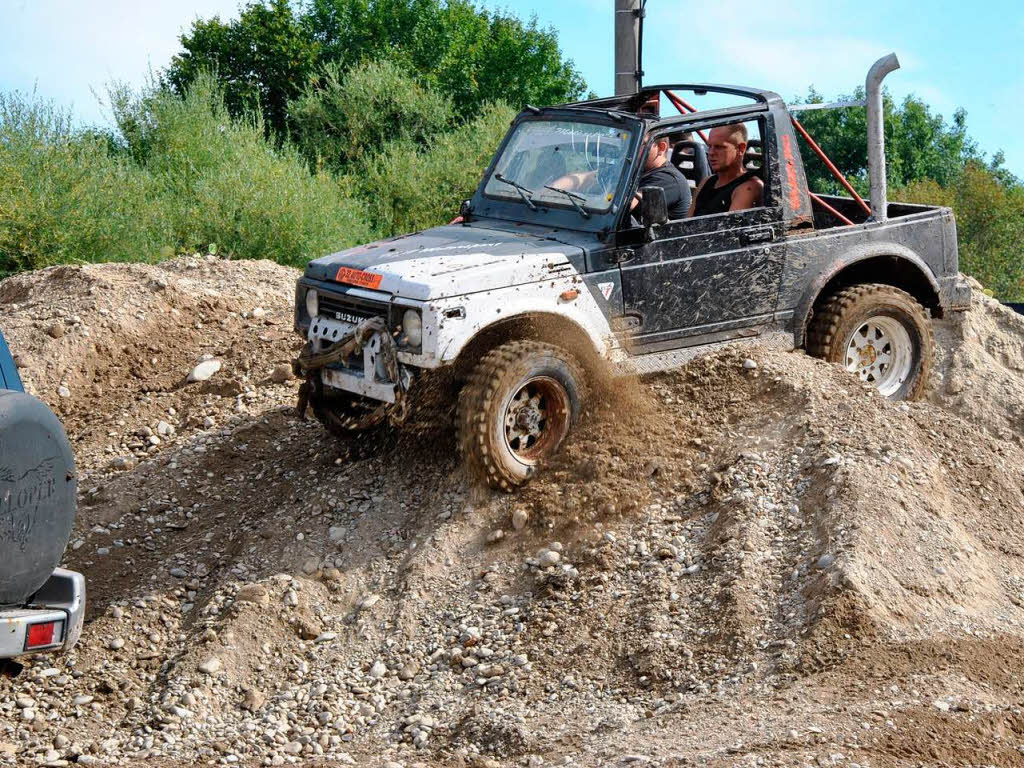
516 409
880 334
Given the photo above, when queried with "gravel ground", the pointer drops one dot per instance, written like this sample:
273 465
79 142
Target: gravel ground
748 561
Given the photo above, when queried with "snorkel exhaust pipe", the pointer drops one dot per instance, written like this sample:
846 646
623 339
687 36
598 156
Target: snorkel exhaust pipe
876 134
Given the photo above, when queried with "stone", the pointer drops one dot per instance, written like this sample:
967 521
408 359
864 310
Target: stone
211 666
208 422
116 644
378 669
282 373
123 463
749 365
253 593
63 391
253 699
548 558
179 573
520 517
826 561
56 330
165 429
204 370
495 536
409 671
336 533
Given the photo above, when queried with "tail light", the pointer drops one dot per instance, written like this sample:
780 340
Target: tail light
44 635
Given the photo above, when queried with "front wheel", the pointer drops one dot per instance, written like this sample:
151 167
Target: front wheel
516 409
879 333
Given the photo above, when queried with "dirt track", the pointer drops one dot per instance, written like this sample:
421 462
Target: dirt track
725 566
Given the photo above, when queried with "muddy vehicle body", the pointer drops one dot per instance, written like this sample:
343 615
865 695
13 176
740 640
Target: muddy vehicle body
42 607
533 286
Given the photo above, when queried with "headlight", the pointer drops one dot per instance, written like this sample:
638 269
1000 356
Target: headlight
312 302
412 326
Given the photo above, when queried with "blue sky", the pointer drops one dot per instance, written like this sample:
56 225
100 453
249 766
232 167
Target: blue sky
953 54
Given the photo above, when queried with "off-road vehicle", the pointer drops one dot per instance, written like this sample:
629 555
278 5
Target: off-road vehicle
41 607
512 307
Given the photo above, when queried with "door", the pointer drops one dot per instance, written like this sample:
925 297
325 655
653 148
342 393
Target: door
707 276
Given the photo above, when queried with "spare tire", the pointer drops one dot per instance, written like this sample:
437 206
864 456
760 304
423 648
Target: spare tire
38 494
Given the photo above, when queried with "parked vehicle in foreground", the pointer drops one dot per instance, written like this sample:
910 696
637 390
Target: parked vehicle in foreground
41 607
511 309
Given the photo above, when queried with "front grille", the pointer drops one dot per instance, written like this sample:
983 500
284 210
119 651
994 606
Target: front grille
351 311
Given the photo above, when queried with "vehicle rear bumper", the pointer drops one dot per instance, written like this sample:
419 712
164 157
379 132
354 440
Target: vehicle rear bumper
955 292
61 599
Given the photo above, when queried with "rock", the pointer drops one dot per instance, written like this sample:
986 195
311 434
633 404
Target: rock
666 552
253 593
378 669
208 422
548 558
336 533
325 637
179 573
116 644
259 312
63 391
165 429
292 747
154 440
826 561
82 700
409 671
520 517
749 365
282 373
204 370
942 706
57 329
495 536
123 463
211 666
253 699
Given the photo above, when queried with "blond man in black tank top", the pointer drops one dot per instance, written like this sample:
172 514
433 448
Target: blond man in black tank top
730 187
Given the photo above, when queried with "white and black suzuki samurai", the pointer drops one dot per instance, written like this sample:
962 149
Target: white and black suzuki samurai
511 306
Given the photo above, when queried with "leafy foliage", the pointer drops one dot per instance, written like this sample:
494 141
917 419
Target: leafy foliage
469 55
919 144
409 188
341 117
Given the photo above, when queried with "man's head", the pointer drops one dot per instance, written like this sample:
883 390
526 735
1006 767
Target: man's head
657 155
726 146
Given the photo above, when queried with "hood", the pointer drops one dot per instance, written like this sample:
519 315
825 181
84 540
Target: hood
448 261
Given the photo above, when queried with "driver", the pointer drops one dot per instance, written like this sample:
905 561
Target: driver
658 172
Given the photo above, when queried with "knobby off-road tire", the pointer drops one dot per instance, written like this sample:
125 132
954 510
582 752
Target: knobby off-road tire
881 334
516 408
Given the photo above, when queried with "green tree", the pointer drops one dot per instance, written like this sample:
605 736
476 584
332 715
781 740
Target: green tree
339 116
471 55
262 60
919 144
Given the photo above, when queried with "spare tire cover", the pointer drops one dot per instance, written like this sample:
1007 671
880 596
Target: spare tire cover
38 491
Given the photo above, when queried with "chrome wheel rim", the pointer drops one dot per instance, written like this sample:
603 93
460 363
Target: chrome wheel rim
880 353
536 419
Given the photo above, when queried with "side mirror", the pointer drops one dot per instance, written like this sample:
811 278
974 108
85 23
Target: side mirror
653 208
465 210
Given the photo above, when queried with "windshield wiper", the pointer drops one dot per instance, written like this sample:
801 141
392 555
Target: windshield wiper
573 197
524 192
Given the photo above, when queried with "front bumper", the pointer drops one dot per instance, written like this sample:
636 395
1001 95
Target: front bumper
363 374
61 599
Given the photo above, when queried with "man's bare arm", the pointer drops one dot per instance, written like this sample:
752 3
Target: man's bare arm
693 200
747 195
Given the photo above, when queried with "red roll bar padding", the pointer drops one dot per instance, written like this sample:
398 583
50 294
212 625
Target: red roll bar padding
684 109
830 209
828 163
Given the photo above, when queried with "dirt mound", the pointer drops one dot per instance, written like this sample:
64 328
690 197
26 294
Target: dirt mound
751 560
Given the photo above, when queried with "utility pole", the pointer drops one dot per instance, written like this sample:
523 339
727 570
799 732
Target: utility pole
627 45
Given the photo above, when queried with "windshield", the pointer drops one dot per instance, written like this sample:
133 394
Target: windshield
584 159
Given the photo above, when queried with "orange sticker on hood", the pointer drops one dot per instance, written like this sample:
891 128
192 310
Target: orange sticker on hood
358 277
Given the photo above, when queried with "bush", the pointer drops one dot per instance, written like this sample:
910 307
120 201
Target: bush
409 188
222 182
63 198
341 117
989 209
